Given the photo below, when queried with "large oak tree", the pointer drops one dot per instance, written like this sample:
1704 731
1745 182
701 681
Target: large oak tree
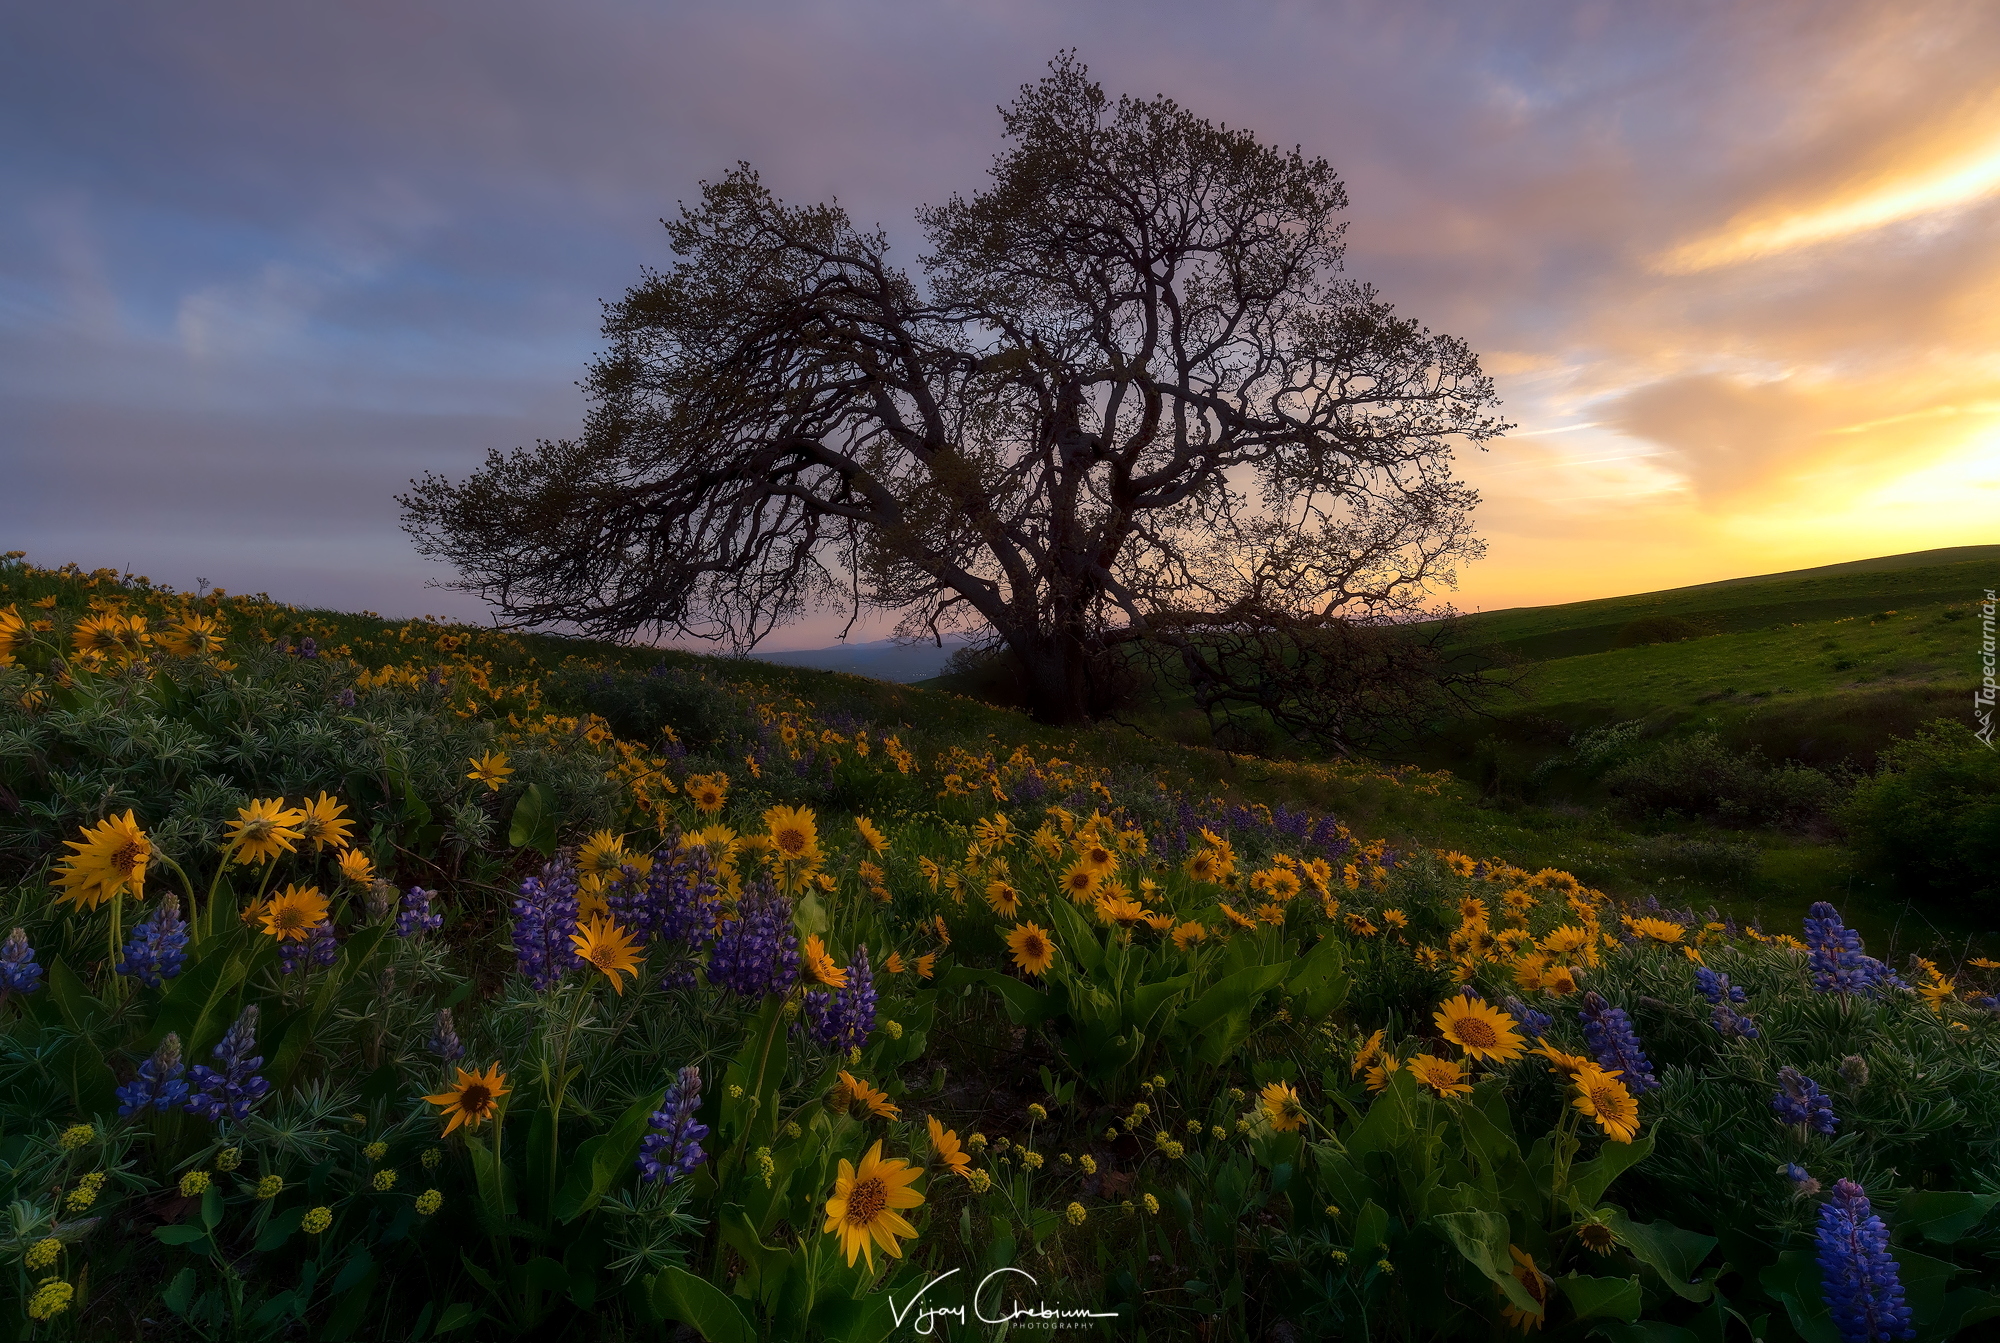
1129 401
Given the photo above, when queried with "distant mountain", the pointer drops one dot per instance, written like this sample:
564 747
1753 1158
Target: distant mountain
883 659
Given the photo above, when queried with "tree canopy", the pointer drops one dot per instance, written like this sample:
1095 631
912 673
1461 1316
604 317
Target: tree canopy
1128 401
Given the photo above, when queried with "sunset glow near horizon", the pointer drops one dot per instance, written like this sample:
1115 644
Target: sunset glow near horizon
1736 269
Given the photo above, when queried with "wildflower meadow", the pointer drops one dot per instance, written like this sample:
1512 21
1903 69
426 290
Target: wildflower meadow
371 980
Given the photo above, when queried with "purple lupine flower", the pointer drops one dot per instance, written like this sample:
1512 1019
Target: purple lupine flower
844 1018
19 971
544 917
444 1041
757 952
1715 987
158 1085
234 1090
346 700
319 947
673 1147
1803 1184
308 648
416 915
1838 964
675 901
1614 1044
1723 997
1858 1277
158 947
1534 1023
1799 1100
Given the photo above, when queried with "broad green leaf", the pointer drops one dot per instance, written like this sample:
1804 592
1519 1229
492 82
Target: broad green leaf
534 823
1589 1180
1024 1003
1794 1283
1074 937
600 1161
1592 1298
702 1306
457 1315
180 1234
1482 1238
1667 1249
1319 981
1942 1215
279 1229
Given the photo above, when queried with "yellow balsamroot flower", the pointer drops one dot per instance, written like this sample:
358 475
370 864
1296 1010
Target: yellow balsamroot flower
794 834
1120 910
1559 980
109 861
1032 950
996 832
708 792
490 769
1535 1283
1370 1050
324 823
1444 1076
1282 1107
944 1144
1080 881
819 965
1655 930
194 636
1188 934
877 842
1567 940
1281 884
357 867
610 948
429 1202
1561 1063
602 855
925 964
1482 1030
878 1102
13 633
1273 914
1004 899
1202 866
316 1221
1604 1098
264 830
108 635
867 1203
472 1100
1098 856
292 914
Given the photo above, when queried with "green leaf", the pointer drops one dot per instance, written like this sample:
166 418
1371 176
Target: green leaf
457 1315
1074 936
809 914
1319 980
1592 1298
180 1234
1668 1250
180 1292
1646 1331
1942 1215
534 823
1592 1178
1024 1003
600 1161
1220 1018
1482 1238
201 994
1794 1282
279 1229
702 1306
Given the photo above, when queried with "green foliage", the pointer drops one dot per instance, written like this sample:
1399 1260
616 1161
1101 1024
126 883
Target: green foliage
1930 818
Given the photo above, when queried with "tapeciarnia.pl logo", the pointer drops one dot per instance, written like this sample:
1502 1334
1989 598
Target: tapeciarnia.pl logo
990 1305
1983 697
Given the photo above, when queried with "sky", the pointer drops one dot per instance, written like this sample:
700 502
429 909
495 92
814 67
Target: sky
1735 267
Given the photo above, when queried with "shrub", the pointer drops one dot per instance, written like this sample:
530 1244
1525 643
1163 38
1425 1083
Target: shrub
1700 777
1930 817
